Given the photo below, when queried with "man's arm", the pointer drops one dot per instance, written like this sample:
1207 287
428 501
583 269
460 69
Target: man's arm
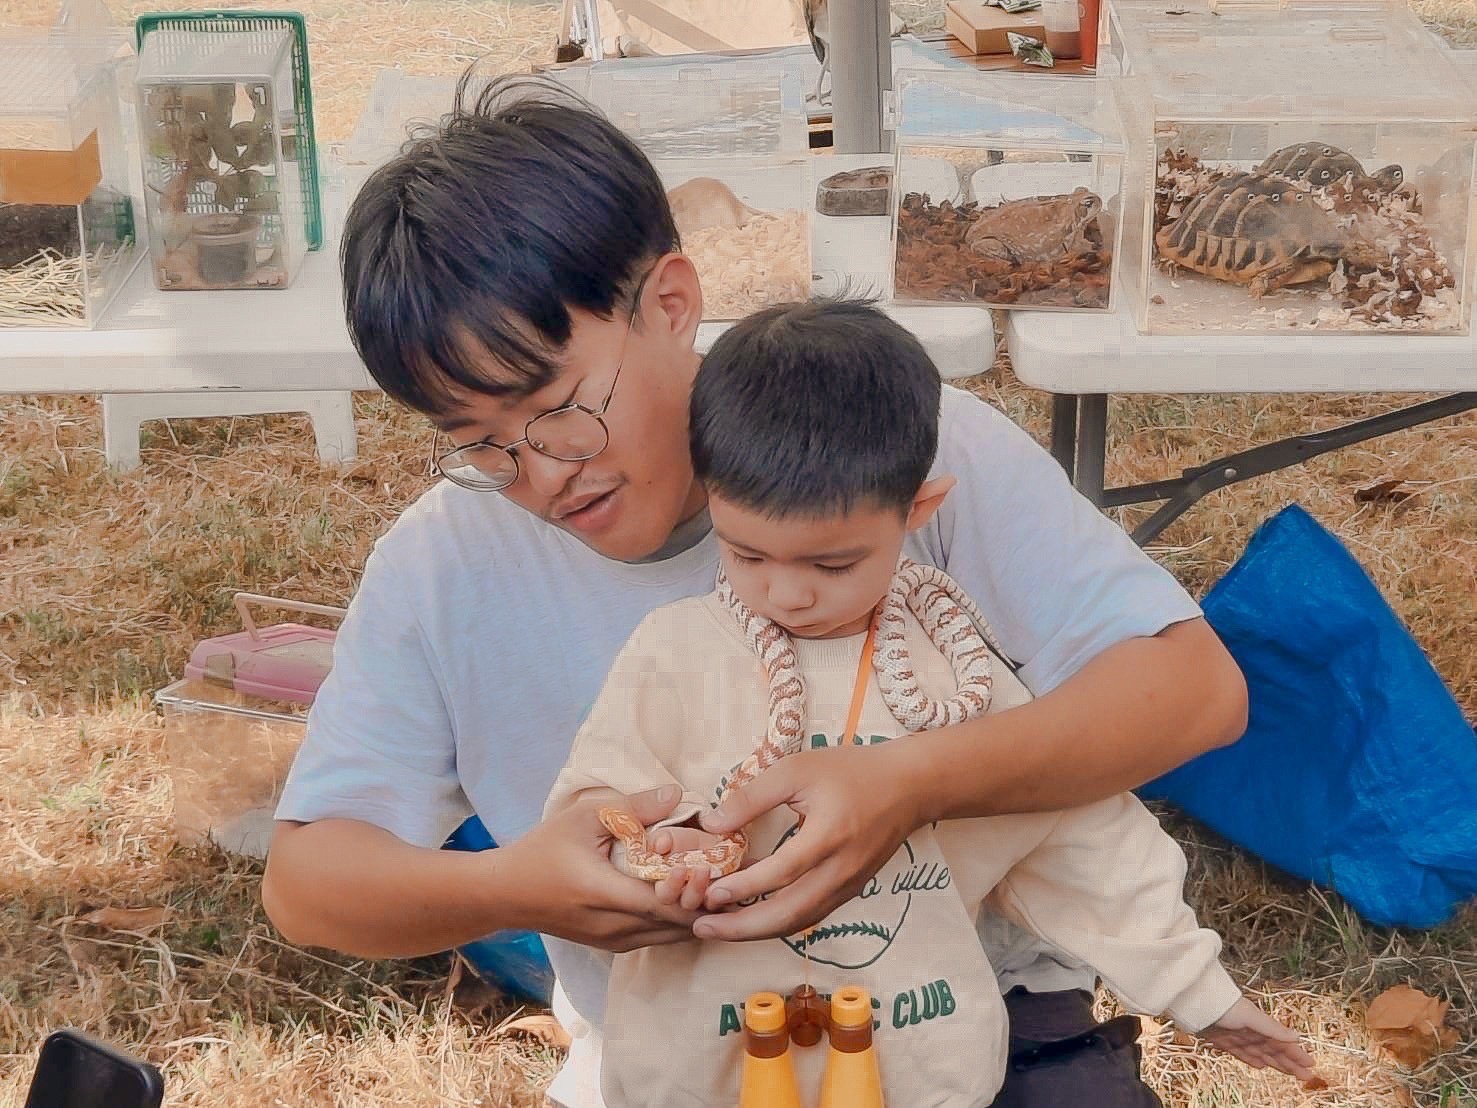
349 885
356 888
1137 710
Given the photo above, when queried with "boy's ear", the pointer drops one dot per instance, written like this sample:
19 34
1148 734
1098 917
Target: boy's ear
680 296
929 499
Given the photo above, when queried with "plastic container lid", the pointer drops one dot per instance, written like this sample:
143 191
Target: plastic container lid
1311 61
1037 111
51 90
205 55
287 661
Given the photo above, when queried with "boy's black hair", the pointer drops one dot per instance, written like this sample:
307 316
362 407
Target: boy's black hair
463 256
814 409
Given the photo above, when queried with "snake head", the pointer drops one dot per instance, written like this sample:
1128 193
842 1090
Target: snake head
624 826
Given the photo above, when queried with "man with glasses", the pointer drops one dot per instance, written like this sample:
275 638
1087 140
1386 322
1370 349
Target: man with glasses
517 278
568 433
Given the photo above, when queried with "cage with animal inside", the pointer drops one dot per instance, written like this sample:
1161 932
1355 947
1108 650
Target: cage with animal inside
734 155
1284 193
1007 190
224 187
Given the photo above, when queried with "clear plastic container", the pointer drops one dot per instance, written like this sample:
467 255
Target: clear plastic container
228 755
402 104
1252 39
733 153
1325 187
1008 190
67 240
222 187
1063 25
233 724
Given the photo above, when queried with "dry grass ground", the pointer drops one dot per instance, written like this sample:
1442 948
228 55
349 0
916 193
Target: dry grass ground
106 580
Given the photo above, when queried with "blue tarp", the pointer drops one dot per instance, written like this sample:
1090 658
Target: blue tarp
515 961
1358 770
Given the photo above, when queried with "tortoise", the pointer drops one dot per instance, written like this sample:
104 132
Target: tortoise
1260 230
1322 165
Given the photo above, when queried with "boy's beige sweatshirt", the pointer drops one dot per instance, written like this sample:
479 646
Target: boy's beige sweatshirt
685 702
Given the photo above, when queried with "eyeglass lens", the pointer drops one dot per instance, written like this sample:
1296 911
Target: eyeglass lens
571 435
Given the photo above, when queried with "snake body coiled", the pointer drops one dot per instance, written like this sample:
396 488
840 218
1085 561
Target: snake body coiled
953 623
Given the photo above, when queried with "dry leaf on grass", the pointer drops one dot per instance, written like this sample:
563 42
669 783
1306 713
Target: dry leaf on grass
1387 491
127 919
1410 1025
543 1027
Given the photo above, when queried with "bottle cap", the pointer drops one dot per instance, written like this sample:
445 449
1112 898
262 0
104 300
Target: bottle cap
765 1012
851 1007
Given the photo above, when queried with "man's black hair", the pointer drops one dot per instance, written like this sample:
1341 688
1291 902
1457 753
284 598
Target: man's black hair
464 255
814 409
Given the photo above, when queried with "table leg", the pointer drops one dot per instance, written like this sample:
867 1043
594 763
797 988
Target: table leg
1180 494
1092 446
1064 431
332 415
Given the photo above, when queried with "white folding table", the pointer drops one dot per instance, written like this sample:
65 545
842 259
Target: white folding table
158 354
1082 359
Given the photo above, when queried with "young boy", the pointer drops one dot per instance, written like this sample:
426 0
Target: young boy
814 428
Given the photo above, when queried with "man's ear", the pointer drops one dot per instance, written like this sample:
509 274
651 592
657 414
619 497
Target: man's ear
674 286
929 499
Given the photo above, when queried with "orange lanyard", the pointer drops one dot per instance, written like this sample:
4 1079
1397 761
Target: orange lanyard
863 679
804 1007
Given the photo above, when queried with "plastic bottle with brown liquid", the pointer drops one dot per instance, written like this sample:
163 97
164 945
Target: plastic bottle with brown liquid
808 1016
768 1079
853 1079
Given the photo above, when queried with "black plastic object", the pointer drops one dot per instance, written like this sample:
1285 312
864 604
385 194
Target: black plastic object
77 1071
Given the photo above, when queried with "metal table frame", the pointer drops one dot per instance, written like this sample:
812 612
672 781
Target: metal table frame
1079 434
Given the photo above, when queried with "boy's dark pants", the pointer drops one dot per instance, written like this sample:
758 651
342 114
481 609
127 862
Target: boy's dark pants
1061 1057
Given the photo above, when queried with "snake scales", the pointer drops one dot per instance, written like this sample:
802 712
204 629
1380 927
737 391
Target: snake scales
952 622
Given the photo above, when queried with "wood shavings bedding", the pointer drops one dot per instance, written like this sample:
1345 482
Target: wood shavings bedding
743 269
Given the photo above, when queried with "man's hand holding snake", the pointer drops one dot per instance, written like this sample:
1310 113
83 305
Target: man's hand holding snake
566 864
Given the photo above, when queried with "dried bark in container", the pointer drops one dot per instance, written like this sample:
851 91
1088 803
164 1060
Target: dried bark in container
935 263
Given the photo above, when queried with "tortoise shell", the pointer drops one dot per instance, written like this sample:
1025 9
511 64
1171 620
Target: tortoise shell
1322 165
1259 230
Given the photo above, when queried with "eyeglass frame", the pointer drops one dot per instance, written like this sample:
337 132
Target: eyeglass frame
573 405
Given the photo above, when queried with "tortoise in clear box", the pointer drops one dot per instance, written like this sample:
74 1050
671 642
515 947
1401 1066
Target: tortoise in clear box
1262 231
1323 166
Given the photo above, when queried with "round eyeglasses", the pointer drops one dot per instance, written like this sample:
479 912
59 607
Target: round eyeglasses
572 433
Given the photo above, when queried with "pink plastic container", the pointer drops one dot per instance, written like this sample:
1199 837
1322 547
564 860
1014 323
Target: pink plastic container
286 661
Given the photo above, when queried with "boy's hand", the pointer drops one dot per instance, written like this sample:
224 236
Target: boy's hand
570 888
858 808
1259 1041
686 888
